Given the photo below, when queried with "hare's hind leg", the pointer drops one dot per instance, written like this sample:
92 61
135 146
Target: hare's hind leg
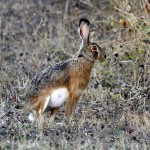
38 107
33 109
53 114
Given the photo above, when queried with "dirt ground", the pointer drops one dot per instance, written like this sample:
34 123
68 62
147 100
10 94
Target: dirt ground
114 111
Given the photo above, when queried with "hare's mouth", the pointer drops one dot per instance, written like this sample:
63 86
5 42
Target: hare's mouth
102 58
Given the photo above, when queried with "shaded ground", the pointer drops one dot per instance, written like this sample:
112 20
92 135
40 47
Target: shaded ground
114 111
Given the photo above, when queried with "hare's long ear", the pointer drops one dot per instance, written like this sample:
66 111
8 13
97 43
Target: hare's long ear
84 29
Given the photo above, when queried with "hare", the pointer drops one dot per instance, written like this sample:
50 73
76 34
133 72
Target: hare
65 81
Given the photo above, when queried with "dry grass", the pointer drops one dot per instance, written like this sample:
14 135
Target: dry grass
114 111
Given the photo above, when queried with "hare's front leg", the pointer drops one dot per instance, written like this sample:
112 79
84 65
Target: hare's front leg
71 105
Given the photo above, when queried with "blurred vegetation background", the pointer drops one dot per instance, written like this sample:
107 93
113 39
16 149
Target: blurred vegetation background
114 111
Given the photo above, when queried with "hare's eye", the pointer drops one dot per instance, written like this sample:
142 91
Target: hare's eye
94 48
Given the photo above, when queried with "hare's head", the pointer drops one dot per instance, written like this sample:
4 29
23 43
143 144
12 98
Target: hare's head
89 49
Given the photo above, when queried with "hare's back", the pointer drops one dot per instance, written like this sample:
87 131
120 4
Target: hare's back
50 78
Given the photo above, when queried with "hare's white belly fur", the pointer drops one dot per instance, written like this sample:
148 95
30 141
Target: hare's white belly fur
54 100
58 97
